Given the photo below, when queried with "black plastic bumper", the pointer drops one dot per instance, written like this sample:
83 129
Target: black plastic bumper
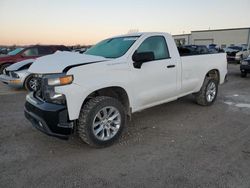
51 119
245 68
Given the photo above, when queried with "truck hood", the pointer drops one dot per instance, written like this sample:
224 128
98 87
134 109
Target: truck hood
20 64
59 61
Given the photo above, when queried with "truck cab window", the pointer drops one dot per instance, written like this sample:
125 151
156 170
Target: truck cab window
157 45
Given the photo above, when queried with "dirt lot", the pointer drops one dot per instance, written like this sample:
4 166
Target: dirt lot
179 144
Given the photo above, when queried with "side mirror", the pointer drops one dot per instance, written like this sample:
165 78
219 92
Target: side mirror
23 55
142 57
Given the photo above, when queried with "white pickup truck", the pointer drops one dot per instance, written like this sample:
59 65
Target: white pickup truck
94 93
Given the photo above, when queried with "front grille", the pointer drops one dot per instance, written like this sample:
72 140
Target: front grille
231 54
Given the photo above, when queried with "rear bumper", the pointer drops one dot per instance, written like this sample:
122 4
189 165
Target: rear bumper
16 83
51 119
245 68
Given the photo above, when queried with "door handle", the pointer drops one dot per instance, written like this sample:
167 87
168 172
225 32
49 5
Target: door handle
170 66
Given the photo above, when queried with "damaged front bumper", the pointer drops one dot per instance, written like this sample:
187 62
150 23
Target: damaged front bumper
13 82
51 119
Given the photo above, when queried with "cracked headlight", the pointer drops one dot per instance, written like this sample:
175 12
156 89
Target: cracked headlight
51 81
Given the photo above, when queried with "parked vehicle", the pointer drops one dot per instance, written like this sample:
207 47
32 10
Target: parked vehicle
193 50
237 53
17 75
93 93
31 52
245 67
214 48
3 51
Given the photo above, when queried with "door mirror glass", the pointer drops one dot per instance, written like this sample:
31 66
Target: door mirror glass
142 57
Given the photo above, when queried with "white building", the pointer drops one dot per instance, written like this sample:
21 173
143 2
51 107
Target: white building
222 37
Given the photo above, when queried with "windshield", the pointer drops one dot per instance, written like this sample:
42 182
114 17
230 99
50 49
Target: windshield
236 48
16 51
112 48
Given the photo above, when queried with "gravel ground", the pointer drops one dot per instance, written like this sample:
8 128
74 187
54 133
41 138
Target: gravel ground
179 144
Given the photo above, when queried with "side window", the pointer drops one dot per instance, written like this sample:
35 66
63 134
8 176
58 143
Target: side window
31 52
157 45
223 46
44 50
202 50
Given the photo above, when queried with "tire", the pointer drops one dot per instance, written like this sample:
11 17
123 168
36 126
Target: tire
91 112
202 97
29 81
243 74
2 67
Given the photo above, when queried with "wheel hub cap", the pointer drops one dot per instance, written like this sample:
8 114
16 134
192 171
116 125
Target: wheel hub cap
106 123
211 92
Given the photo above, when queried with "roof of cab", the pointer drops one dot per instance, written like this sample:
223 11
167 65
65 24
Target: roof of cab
141 34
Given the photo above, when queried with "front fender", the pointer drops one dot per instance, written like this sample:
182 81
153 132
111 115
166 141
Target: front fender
76 95
74 98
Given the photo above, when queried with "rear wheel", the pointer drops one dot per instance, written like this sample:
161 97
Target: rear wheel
2 67
208 92
101 121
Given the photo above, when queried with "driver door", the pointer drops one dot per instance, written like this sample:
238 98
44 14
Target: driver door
156 81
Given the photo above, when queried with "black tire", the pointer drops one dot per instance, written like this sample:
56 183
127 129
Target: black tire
2 67
201 96
27 83
88 114
243 74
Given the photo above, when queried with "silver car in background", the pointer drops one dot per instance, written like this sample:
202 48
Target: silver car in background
17 75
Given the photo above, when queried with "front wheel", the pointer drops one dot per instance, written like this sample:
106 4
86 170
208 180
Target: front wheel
101 121
208 92
31 83
243 74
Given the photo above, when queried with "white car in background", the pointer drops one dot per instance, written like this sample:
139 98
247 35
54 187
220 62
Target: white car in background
17 75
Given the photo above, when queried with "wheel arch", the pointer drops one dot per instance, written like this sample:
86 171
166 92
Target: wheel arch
116 92
214 73
26 78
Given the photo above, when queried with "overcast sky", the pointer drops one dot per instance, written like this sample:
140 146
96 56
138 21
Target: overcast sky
88 21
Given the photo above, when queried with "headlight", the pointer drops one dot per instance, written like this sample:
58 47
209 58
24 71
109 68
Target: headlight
50 82
14 75
56 98
59 81
244 62
53 97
